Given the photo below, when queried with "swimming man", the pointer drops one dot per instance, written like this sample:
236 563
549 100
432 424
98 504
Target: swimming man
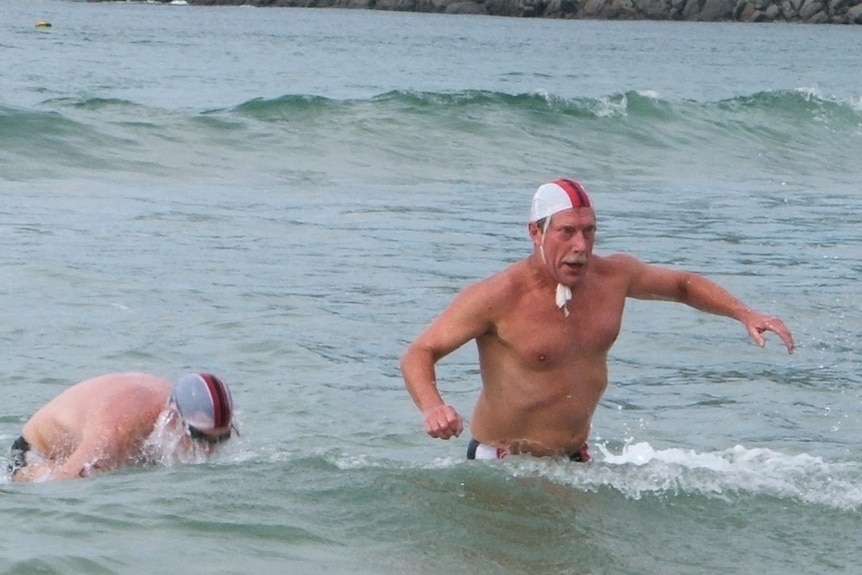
103 423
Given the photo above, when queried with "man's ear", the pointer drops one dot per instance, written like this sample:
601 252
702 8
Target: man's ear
535 233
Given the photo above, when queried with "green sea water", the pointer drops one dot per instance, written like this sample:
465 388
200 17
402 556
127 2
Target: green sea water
286 197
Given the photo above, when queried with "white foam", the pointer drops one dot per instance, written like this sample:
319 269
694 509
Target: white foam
810 93
651 94
640 469
167 445
606 107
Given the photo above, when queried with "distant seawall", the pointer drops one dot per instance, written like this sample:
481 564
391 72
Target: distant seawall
804 11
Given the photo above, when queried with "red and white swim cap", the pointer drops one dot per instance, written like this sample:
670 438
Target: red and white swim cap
204 401
557 196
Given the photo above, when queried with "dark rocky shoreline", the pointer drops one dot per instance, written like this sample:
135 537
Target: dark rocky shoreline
804 11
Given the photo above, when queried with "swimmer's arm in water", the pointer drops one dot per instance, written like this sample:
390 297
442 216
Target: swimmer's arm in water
35 471
87 459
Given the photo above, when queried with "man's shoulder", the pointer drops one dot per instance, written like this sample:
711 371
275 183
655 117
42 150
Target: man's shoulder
114 381
617 263
511 278
499 287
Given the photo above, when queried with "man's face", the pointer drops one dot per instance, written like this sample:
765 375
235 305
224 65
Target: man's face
191 444
567 244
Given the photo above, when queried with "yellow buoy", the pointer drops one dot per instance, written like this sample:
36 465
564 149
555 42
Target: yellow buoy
43 24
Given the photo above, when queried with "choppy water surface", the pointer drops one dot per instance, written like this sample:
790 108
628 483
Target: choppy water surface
286 197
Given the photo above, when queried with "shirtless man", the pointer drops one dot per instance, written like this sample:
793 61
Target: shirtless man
103 423
543 327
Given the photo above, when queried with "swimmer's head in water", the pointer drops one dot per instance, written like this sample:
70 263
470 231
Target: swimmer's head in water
557 196
205 406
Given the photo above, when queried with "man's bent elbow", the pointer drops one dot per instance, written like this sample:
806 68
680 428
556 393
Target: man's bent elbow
417 356
407 359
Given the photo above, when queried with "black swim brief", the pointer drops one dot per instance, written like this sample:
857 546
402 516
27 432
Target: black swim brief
18 455
476 450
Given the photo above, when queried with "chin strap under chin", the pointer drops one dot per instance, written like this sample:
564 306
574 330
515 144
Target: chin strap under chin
564 293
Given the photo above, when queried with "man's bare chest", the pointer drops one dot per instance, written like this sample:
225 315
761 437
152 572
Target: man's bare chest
544 337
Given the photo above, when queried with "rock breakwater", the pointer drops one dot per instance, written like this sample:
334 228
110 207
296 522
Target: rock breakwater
803 11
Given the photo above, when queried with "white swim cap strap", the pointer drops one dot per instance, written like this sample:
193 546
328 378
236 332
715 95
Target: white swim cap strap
564 293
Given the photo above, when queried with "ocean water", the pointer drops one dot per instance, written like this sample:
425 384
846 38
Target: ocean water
286 197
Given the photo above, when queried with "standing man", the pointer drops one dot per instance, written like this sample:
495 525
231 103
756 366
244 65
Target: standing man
543 327
104 423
